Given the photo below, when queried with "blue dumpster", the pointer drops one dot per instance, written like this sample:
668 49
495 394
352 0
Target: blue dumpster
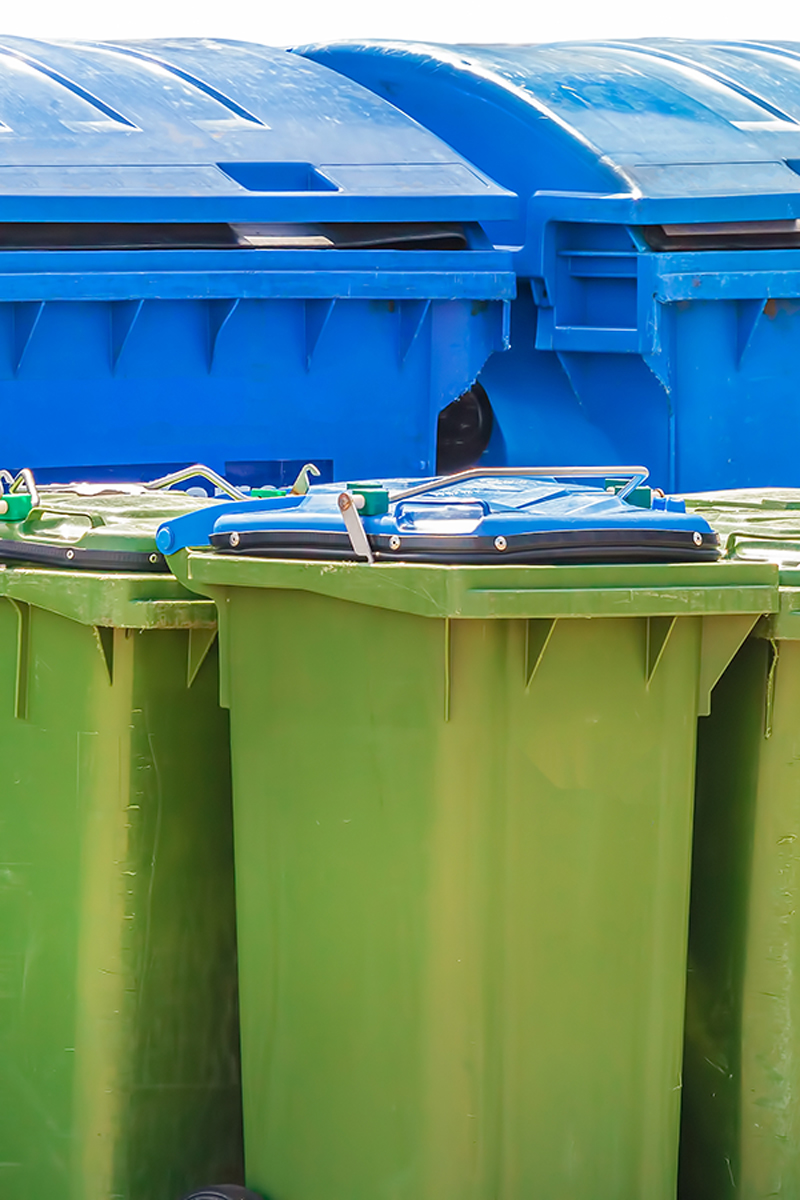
221 252
658 252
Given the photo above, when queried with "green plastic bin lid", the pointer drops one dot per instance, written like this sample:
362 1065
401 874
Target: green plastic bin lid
97 527
753 524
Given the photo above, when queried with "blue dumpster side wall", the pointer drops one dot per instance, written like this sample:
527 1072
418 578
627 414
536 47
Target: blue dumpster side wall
685 361
101 364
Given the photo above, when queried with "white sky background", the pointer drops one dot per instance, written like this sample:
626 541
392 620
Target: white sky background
298 21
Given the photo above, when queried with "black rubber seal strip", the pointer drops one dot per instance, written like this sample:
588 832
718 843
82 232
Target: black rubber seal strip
77 558
597 545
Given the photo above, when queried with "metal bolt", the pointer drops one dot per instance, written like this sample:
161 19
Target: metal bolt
394 542
500 543
234 539
153 558
70 554
697 538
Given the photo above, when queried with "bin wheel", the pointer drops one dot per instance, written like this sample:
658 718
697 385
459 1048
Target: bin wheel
464 430
223 1191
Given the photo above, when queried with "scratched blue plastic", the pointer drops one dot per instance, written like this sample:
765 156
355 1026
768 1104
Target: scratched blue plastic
482 507
684 360
239 357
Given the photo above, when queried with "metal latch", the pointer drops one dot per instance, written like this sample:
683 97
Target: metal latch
349 504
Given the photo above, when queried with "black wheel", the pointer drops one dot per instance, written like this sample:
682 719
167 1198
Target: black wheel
223 1191
464 429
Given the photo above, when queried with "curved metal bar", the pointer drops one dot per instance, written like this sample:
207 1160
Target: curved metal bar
26 476
197 471
638 475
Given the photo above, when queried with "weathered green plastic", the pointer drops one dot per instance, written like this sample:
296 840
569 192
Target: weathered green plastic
462 816
111 521
741 1122
119 1064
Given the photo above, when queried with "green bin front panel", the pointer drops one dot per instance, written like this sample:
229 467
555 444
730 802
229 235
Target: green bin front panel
119 1072
740 1128
741 1121
463 854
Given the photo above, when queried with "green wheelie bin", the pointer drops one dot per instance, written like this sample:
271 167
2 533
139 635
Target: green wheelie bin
119 1058
741 1119
463 720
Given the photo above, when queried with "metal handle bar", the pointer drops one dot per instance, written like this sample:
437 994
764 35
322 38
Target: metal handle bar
25 476
201 472
638 476
198 470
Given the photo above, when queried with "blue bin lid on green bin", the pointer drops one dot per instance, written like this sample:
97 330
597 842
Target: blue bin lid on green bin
514 515
202 130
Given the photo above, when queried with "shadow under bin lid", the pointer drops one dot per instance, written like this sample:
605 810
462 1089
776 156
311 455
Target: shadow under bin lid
493 515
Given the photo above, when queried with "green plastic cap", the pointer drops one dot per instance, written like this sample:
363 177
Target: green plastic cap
15 506
376 498
640 497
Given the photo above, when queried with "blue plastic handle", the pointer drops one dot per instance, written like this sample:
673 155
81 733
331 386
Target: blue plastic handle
195 528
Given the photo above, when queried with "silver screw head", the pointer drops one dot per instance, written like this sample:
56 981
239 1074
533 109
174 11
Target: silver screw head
697 538
500 543
234 539
394 542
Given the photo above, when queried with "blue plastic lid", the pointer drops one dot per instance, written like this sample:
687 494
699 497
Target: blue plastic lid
491 516
204 130
652 118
